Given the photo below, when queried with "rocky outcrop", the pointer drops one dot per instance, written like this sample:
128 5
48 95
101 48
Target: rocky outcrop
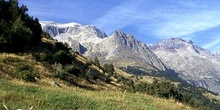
125 50
196 65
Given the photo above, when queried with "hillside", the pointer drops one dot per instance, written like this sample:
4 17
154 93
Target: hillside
50 71
43 87
39 72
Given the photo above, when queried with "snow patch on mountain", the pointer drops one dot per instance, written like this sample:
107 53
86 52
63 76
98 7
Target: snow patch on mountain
75 31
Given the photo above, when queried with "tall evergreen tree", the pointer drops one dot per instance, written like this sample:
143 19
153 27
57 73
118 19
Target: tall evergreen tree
18 30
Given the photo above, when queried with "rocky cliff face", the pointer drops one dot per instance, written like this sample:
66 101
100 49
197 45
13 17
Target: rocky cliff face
119 48
125 50
196 65
80 37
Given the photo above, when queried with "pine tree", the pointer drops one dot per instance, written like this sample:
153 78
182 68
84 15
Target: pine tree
96 61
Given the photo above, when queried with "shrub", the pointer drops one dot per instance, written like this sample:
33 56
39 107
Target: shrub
107 80
62 46
63 57
91 74
73 69
10 60
25 72
59 71
109 68
96 61
43 57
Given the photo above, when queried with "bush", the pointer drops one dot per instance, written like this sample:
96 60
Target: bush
62 46
25 72
73 69
10 60
59 71
63 57
43 57
91 74
96 61
109 68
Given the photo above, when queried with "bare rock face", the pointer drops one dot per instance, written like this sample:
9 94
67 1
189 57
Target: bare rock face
119 48
196 65
125 50
76 35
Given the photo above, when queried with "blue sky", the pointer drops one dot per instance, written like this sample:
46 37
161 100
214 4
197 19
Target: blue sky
150 21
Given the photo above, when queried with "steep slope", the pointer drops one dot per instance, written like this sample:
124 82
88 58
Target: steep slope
50 62
125 50
196 65
119 48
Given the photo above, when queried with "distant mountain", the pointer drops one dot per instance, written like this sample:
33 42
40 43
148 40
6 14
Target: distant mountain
119 48
80 37
196 65
217 54
125 50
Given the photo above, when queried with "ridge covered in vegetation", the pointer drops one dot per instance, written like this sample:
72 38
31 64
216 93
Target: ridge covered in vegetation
42 66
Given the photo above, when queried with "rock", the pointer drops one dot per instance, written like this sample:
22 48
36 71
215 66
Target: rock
55 84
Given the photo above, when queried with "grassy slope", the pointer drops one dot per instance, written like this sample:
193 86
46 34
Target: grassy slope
17 94
41 95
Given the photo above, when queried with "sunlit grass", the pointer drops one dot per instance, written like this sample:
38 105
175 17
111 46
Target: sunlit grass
16 94
41 95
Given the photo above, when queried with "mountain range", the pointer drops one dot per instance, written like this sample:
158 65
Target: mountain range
193 64
119 48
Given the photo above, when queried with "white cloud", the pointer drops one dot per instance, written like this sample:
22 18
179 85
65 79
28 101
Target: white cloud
213 45
165 20
182 25
119 17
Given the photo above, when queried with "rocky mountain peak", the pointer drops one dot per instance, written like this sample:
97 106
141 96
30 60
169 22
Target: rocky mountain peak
96 31
75 31
119 33
193 63
174 43
127 41
217 53
178 45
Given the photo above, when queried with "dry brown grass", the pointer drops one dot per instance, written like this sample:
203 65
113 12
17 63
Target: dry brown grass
108 95
211 96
